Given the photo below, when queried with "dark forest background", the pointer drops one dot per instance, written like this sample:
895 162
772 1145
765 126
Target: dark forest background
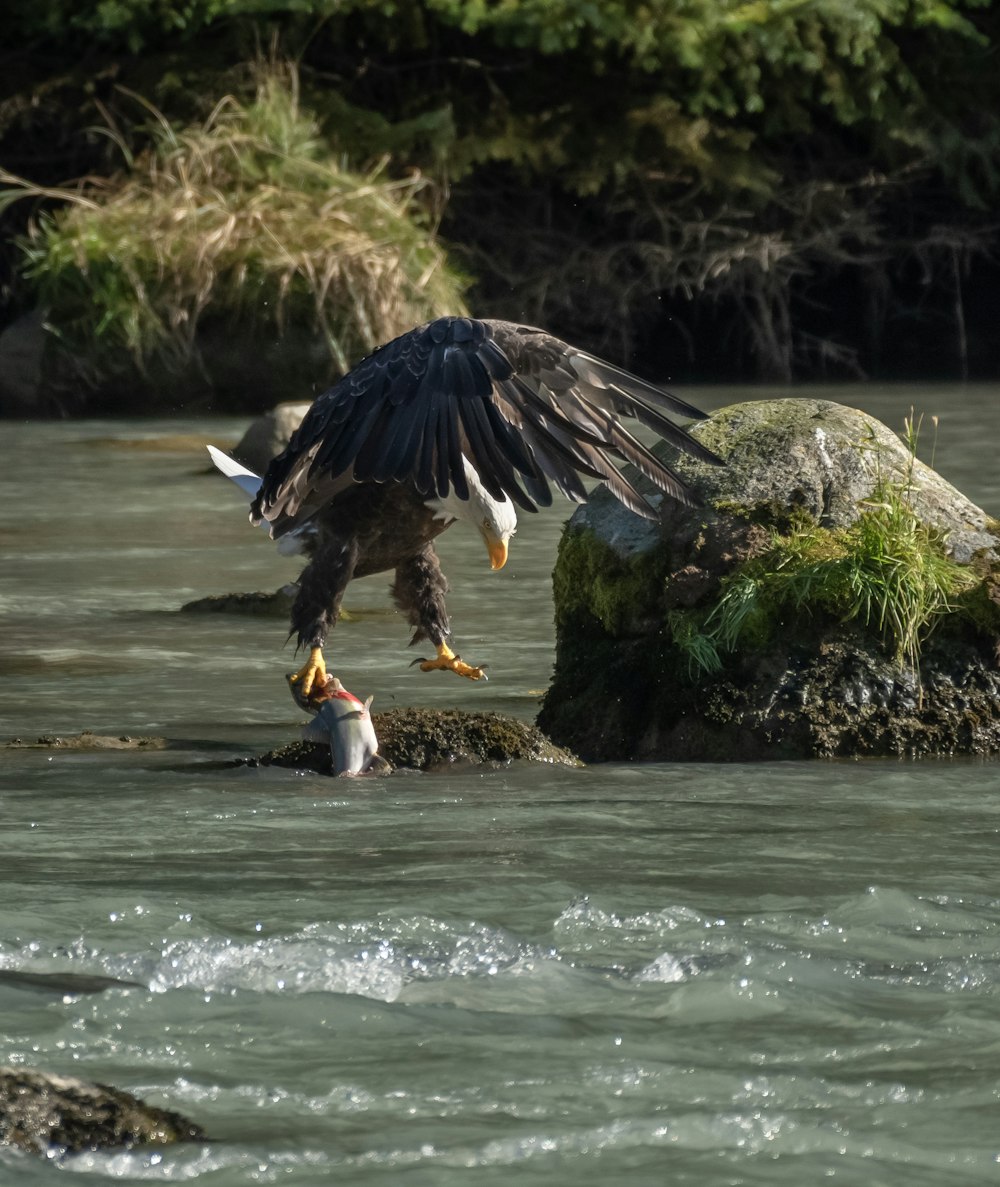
704 190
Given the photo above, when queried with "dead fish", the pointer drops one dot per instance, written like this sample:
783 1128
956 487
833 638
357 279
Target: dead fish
345 722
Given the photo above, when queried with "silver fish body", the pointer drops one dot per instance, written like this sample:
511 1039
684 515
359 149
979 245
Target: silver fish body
345 722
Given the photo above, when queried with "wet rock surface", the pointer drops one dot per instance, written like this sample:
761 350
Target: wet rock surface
265 605
435 740
834 695
824 688
88 741
41 1112
63 984
412 739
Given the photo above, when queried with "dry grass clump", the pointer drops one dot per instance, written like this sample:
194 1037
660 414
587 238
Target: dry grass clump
247 219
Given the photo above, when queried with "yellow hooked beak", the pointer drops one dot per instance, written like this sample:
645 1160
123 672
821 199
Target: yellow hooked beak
497 550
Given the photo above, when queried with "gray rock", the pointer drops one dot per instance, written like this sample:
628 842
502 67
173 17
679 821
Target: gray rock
814 456
268 435
622 689
826 460
41 1112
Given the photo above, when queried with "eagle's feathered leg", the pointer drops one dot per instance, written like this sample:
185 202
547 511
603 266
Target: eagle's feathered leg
418 591
317 606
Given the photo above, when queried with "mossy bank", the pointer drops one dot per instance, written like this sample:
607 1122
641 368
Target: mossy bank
832 596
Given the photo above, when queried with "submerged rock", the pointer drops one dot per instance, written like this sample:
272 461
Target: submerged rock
625 688
266 605
89 741
41 1112
435 740
64 984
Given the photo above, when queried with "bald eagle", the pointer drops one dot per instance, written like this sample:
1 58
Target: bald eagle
458 419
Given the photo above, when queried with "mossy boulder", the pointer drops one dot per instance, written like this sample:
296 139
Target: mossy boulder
43 1113
817 682
435 740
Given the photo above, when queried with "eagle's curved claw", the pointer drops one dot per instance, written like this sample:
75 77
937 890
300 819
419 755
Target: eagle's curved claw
312 672
448 661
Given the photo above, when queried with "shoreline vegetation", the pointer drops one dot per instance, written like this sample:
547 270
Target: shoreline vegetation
243 226
706 192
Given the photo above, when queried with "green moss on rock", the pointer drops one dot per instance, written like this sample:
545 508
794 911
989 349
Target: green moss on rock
435 740
593 580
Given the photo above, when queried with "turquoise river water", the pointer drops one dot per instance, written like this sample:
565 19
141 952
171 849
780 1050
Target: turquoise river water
774 974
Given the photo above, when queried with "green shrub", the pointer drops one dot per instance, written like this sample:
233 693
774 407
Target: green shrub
655 174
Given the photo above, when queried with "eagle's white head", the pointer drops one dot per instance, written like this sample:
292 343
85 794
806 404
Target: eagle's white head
494 519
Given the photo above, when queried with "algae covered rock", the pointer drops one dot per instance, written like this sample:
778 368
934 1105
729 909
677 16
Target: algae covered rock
87 740
433 739
253 605
658 657
436 740
41 1112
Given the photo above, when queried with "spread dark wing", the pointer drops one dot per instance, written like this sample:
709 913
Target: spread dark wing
526 410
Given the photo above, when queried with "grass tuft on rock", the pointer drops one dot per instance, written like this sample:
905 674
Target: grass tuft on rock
246 219
888 571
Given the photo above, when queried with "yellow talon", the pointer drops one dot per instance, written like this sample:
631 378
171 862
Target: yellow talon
312 672
448 661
